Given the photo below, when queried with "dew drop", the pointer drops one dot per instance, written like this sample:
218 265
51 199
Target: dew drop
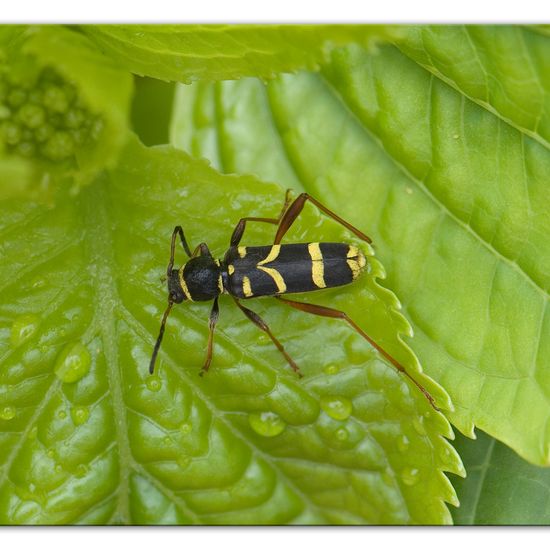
73 363
418 424
7 413
62 414
80 415
336 407
267 423
403 443
331 369
186 428
341 434
410 476
58 468
153 383
167 440
23 328
50 453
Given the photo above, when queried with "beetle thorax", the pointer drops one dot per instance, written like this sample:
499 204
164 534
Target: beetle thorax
201 278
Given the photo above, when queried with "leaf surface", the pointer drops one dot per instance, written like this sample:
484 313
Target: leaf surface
88 436
184 53
444 162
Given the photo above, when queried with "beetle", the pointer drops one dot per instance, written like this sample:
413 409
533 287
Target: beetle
247 272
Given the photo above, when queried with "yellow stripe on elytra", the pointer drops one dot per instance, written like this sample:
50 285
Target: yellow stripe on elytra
317 266
183 284
247 289
272 256
230 269
276 276
271 271
356 261
241 250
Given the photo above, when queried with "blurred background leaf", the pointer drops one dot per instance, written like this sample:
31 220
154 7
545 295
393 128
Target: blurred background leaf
185 53
501 488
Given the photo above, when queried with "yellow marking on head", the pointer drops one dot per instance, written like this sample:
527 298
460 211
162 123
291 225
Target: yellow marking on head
241 251
247 289
272 256
276 276
317 265
230 269
183 284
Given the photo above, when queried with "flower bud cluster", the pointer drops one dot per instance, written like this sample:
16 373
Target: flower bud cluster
46 119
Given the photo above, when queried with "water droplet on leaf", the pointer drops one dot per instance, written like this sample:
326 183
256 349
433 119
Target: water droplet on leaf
186 428
331 369
80 415
7 413
153 383
336 407
73 363
23 328
341 434
410 476
267 424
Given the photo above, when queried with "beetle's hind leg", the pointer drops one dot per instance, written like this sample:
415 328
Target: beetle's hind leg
261 324
296 207
337 314
241 225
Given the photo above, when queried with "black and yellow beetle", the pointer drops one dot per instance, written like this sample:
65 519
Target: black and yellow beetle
253 271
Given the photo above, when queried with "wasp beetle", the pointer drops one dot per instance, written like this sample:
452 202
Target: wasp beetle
253 271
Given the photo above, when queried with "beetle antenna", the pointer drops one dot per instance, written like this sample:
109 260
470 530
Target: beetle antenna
159 339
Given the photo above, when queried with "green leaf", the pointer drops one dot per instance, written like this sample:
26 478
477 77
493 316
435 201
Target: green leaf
184 53
88 436
452 188
152 110
501 488
63 110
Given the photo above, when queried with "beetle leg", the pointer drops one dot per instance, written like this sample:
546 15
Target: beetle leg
201 250
179 231
240 227
337 314
261 324
214 315
296 207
